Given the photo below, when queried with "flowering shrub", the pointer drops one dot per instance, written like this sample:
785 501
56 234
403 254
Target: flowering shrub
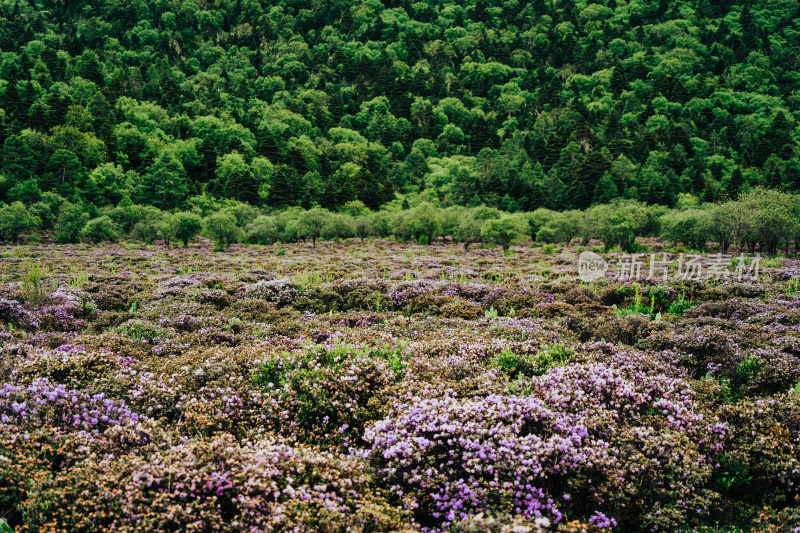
61 317
220 485
216 297
279 291
665 445
43 403
762 459
328 394
72 365
392 387
46 427
448 459
12 312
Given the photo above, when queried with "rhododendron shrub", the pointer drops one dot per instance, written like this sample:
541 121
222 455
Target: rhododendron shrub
635 445
329 393
46 427
382 386
664 445
449 458
219 485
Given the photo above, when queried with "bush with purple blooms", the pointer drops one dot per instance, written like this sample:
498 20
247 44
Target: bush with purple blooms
447 459
380 386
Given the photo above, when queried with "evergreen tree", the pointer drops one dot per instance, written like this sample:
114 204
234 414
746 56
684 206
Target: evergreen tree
780 137
164 184
284 183
618 81
606 190
18 160
555 192
735 184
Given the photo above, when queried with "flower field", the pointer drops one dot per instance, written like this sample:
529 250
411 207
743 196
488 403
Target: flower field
380 386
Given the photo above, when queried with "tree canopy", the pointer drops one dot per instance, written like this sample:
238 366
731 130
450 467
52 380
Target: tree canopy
516 105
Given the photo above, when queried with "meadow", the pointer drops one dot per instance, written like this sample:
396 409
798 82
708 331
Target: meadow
381 386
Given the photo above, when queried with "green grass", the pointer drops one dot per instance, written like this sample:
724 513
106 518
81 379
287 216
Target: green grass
528 365
33 284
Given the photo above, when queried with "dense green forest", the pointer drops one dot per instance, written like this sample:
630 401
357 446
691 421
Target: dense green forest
515 105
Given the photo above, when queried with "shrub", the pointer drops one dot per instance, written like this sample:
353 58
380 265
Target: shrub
187 226
503 231
100 229
221 227
454 458
71 221
328 395
15 219
528 365
665 445
225 485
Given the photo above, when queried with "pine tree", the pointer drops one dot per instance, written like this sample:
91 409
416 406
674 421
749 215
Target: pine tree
284 184
555 192
582 196
773 171
17 159
618 82
704 10
590 173
90 68
761 152
780 137
606 190
103 115
735 184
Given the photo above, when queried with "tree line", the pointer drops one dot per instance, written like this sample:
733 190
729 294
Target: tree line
762 220
510 104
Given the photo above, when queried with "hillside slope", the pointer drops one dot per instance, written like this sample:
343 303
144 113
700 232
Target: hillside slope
513 104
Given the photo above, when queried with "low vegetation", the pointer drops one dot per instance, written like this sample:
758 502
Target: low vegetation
389 386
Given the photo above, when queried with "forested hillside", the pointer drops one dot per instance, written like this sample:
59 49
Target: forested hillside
511 104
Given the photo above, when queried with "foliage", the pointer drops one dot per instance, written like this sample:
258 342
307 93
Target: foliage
100 229
221 227
517 106
16 219
71 221
503 231
186 227
619 223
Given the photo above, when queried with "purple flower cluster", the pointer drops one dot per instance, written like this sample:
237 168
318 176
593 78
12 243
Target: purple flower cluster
450 458
226 486
278 291
12 312
45 404
60 317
